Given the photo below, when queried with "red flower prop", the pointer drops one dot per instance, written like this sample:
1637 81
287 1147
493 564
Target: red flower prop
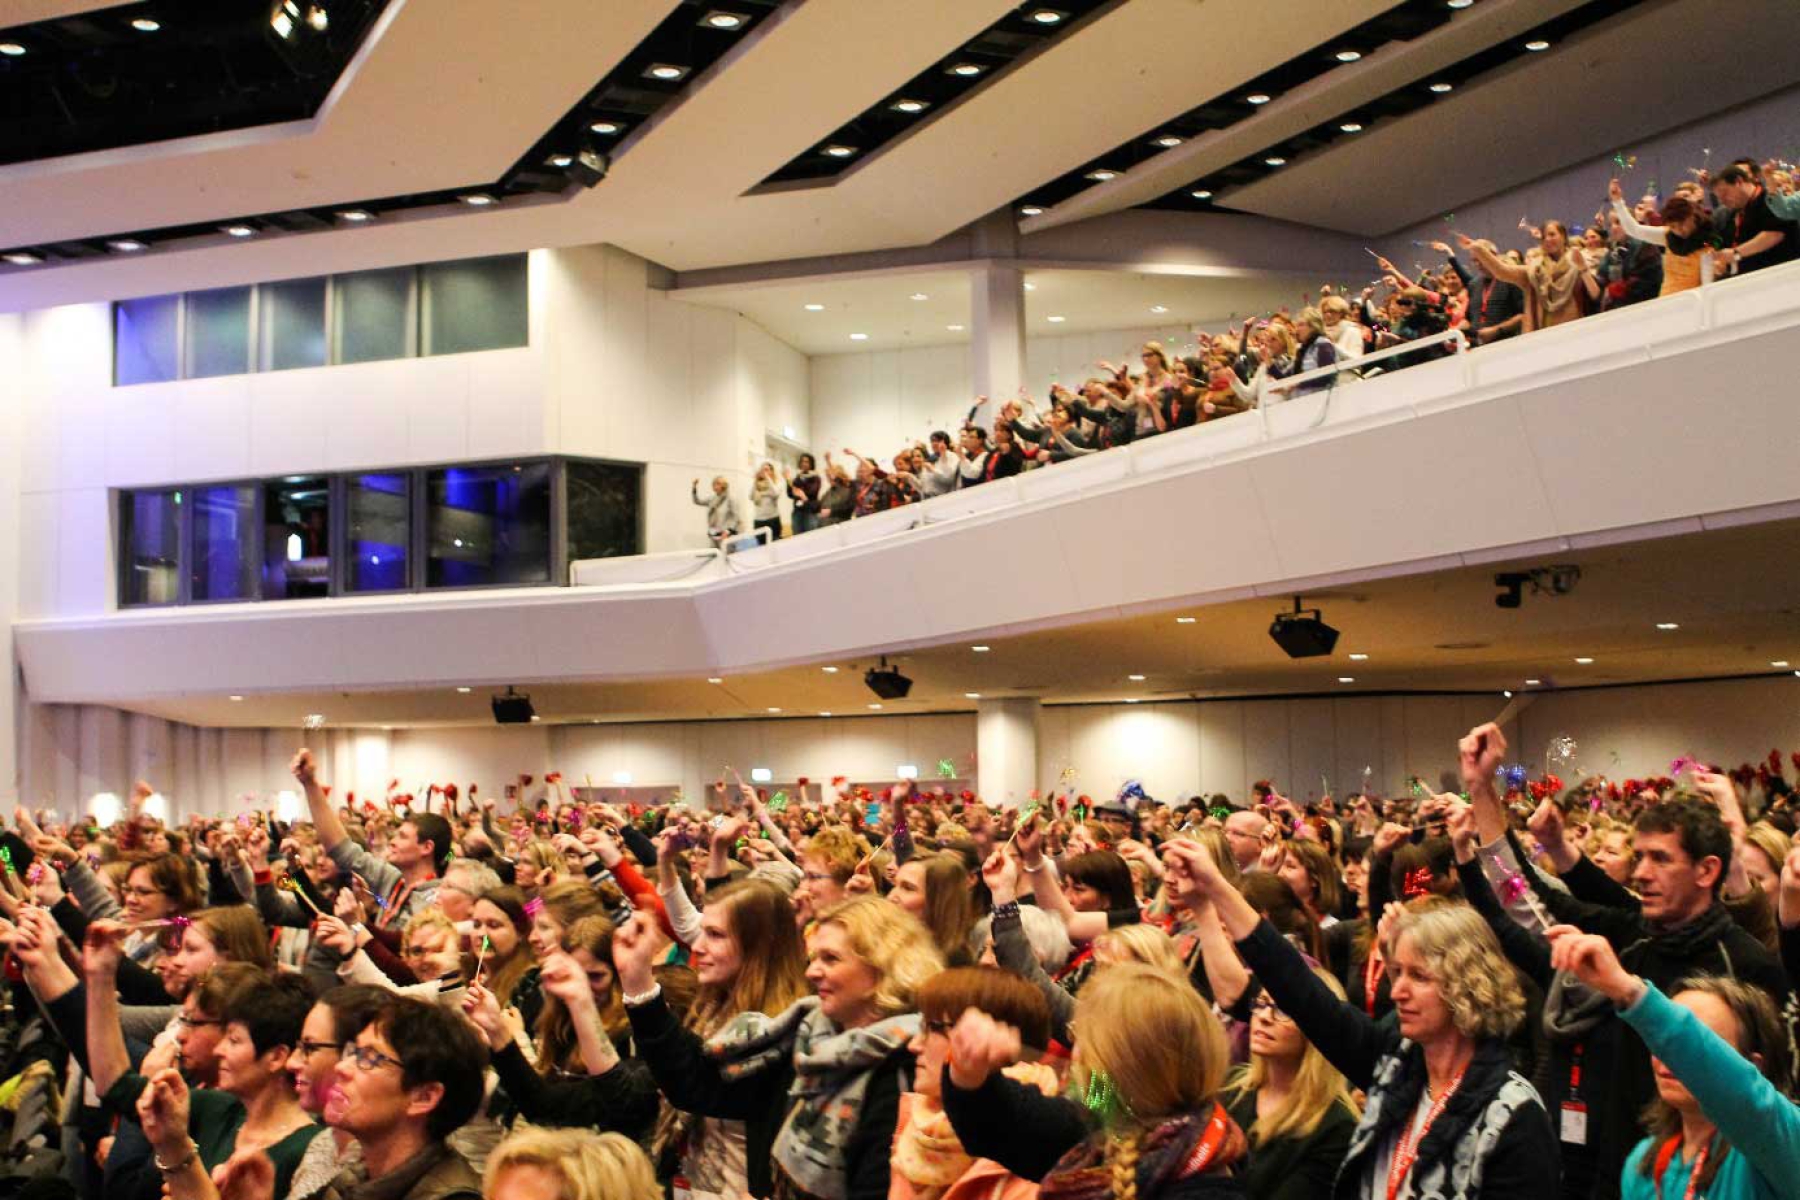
1417 883
450 792
553 777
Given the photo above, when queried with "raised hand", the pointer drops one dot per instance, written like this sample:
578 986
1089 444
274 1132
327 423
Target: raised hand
483 1011
563 978
304 770
1463 836
1391 837
979 1046
1591 959
1788 902
1001 874
102 949
634 944
162 1110
1480 753
333 934
1546 824
246 1175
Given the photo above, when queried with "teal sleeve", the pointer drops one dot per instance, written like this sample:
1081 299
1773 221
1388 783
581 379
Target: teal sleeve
1786 207
1754 1116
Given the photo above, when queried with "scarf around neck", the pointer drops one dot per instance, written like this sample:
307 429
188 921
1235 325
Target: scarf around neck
1175 1148
832 1070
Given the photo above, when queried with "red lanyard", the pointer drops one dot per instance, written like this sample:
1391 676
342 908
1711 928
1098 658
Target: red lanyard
1575 1069
1406 1150
1371 977
1208 1145
1666 1155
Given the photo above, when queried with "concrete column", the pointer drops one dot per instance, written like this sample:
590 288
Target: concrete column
1006 739
997 323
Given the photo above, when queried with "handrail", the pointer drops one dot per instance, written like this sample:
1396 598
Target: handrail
1290 382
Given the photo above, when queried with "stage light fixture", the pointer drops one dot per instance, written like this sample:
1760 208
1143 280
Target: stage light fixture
239 231
1302 634
965 70
720 19
1257 98
1169 141
1441 87
477 199
589 168
1102 175
1202 194
560 161
605 128
1031 210
839 151
513 708
127 245
909 107
1275 160
887 682
356 216
1049 16
11 49
146 24
22 259
1536 45
1512 588
664 72
1348 56
1351 127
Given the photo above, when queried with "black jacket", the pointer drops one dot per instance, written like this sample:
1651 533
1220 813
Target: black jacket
1291 1167
624 1100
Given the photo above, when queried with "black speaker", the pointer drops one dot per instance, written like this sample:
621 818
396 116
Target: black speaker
887 683
1303 634
514 708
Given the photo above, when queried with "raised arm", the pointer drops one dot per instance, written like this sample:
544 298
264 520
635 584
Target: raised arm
325 817
1496 266
108 1061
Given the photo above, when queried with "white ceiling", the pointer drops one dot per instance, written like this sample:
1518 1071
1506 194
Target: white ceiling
30 12
1732 592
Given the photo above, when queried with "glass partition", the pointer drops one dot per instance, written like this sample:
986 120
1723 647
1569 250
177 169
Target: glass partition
487 526
224 543
377 550
296 561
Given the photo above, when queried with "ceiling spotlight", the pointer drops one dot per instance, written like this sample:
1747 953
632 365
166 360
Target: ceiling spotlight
239 231
815 308
971 695
909 107
1275 160
966 70
1302 634
839 151
886 682
1359 658
356 216
318 18
1135 678
664 72
829 670
127 245
463 691
715 679
979 649
1350 127
859 337
1537 45
772 710
22 259
1056 320
1186 620
146 24
477 199
920 296
1031 210
1202 194
718 19
1346 679
605 128
1031 287
1049 16
955 328
559 161
11 49
237 697
1584 661
1532 682
1258 98
1779 662
1440 87
1169 141
1667 625
1348 55
824 714
1102 175
1459 3
1159 309
876 706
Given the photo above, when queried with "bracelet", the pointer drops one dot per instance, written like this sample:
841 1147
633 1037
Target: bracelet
644 997
1042 862
193 1152
1008 910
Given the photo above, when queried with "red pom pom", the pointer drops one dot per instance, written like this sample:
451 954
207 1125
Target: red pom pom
802 782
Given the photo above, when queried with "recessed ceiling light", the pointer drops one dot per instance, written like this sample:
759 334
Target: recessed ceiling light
463 691
859 337
715 679
1159 308
146 24
127 245
1056 320
1258 98
1169 141
1779 662
1584 661
237 697
22 259
1131 699
1049 16
718 19
1031 210
1102 175
815 308
1348 55
318 19
11 49
665 72
559 161
909 106
605 128
477 199
824 714
979 649
1359 658
1351 127
1532 682
535 717
1537 44
356 216
1459 3
920 296
837 151
1666 625
1275 160
1507 694
1202 194
1135 678
971 695
967 70
1031 287
875 706
1346 679
1440 87
1186 620
773 710
829 670
954 328
239 231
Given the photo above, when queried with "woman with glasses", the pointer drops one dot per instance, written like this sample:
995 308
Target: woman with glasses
335 1019
1293 1103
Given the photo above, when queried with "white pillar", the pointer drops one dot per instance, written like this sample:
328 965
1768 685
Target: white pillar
12 421
1006 738
997 322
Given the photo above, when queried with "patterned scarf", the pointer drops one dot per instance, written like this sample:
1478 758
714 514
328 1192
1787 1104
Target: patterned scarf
928 1155
832 1068
1165 1154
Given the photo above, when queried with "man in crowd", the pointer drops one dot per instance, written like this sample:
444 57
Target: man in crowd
1754 236
1496 308
406 882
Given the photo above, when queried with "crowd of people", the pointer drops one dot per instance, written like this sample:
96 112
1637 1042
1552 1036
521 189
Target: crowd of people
1742 218
1522 990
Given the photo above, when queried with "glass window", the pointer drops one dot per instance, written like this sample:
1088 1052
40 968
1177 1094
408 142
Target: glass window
296 558
152 535
373 315
145 345
603 510
488 525
475 304
224 558
379 532
292 315
218 332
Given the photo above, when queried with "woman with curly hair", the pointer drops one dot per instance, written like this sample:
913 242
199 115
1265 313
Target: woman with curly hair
1446 1115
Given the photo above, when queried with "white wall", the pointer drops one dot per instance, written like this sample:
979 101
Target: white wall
1224 746
12 332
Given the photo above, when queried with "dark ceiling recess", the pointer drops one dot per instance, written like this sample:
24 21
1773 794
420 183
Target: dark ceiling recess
1403 23
140 73
1028 28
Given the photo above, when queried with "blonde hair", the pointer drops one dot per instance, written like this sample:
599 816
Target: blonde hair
894 943
1312 318
1150 1033
1472 975
1144 944
1317 1088
585 1165
1771 841
838 849
1336 304
1281 336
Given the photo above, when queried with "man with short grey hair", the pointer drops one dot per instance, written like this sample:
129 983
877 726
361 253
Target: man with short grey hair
465 881
1244 834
